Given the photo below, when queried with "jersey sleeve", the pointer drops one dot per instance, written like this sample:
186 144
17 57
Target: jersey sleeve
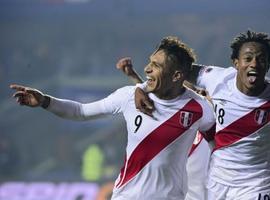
112 104
207 75
208 119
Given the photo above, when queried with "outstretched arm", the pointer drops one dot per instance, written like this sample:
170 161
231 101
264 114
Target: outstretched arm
30 97
125 65
61 107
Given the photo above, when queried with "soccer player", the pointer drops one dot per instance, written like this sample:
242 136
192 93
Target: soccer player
240 163
158 146
199 155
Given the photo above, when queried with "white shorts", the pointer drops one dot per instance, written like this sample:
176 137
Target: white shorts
217 191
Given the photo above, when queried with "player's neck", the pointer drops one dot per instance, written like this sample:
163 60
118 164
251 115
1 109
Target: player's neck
256 91
171 93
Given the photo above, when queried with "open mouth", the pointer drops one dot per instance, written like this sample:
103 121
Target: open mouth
252 76
149 79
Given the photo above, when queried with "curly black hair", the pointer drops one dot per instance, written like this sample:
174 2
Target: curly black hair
249 36
178 51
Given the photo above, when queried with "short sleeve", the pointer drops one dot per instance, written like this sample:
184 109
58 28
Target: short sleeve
208 119
207 75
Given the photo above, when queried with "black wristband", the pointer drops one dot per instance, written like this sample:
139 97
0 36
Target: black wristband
46 102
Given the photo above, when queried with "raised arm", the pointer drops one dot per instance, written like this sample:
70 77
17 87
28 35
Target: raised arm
142 101
125 65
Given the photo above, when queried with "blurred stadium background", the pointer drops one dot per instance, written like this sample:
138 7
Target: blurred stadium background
68 48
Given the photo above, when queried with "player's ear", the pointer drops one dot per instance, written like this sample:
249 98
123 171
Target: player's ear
177 76
235 63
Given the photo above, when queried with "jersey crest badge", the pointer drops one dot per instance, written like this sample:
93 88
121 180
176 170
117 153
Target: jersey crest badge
208 69
261 116
185 118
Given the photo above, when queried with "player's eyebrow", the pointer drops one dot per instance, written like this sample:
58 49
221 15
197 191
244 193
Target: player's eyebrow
249 53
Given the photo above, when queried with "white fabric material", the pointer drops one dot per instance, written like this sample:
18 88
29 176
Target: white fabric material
164 176
246 162
143 85
224 192
197 170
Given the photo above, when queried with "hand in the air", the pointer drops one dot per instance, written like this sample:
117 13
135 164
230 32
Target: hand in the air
28 96
125 65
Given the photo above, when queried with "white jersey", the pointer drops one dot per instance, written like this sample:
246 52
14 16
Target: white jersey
242 153
157 148
197 168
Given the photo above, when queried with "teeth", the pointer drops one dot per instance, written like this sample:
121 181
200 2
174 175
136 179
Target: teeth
252 73
149 78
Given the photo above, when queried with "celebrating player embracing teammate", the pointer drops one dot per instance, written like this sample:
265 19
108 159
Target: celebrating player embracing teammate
240 163
158 146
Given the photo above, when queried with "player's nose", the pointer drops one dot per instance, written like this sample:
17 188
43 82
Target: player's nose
148 69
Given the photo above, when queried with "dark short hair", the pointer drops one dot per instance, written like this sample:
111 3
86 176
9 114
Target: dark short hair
249 36
178 51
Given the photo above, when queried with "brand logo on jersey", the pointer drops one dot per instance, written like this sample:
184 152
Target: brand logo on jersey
208 69
261 116
205 69
223 102
185 118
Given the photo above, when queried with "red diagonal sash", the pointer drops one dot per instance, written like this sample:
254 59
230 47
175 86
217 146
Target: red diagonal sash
158 139
194 146
243 127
